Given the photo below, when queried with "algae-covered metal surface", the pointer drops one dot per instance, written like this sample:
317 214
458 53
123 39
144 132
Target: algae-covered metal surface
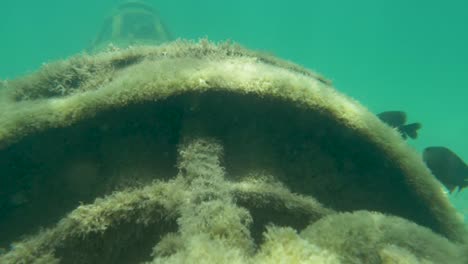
200 152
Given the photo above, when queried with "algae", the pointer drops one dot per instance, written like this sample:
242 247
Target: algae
191 152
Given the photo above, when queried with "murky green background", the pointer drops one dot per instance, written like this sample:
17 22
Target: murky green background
390 55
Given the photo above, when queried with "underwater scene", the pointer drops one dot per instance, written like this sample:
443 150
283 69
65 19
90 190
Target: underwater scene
151 131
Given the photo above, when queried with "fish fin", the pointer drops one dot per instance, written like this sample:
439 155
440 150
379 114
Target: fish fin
451 188
465 183
403 134
411 130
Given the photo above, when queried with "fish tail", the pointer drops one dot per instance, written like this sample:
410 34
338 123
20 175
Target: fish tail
411 130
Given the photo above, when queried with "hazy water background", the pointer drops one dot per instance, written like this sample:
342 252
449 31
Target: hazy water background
389 55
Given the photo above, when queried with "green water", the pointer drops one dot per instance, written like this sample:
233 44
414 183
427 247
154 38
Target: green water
389 55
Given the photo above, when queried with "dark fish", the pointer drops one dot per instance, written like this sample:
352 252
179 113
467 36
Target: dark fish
397 119
447 167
